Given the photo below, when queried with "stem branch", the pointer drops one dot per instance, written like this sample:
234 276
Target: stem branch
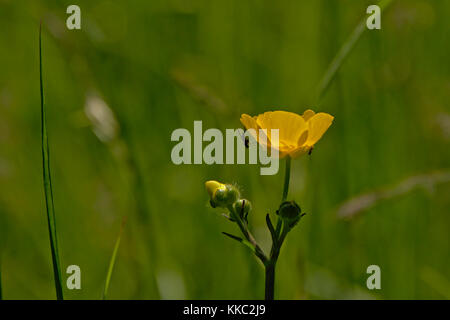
247 234
287 176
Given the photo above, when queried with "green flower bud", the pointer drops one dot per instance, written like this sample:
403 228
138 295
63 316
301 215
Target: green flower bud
211 186
242 207
222 195
289 210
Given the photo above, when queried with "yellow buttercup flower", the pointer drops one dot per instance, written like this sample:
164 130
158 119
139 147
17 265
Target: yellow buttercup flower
297 133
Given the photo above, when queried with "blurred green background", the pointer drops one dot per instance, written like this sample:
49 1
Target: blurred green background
116 89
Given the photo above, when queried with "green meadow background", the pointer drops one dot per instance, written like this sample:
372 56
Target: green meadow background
137 70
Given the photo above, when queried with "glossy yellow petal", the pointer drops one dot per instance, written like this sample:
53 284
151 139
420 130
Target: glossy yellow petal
297 133
290 125
212 185
318 125
308 114
303 138
249 122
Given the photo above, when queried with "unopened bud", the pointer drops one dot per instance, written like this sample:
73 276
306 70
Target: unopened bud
222 195
212 186
289 210
242 207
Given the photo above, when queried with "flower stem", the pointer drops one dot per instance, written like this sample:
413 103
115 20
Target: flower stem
270 281
287 176
280 235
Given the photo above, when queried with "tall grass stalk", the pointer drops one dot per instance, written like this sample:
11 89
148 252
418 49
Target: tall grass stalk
113 259
343 53
51 219
1 292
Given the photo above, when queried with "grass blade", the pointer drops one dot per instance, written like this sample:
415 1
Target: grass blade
354 206
343 53
48 185
1 292
113 259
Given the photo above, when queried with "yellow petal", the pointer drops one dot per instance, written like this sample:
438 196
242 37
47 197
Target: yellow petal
318 125
212 185
290 125
249 122
303 138
308 114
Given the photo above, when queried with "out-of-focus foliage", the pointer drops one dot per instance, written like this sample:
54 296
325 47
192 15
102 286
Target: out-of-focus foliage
137 70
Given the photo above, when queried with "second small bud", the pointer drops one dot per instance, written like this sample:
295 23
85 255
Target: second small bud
289 210
242 207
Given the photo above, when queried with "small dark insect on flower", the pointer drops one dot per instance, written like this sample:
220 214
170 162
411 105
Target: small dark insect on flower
310 151
246 141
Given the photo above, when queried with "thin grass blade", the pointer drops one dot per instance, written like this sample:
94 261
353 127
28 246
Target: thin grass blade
113 259
1 292
343 53
51 219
